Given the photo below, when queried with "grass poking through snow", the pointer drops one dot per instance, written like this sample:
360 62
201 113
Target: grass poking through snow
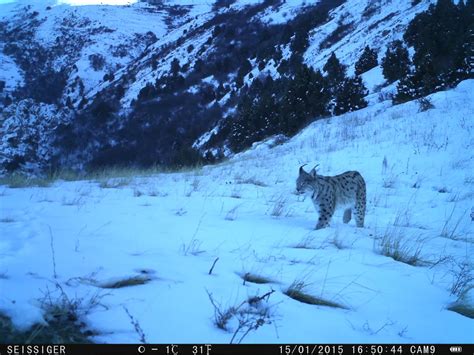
256 279
126 282
64 321
395 245
57 330
297 291
464 304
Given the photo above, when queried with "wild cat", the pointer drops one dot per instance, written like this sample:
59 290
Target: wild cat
330 192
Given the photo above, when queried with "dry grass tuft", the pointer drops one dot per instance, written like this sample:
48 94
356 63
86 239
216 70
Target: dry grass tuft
126 282
256 279
297 291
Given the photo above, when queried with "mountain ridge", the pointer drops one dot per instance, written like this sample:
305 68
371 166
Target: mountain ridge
175 73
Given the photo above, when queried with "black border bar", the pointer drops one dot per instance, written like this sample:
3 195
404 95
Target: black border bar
241 349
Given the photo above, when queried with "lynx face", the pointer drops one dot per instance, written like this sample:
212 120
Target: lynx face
304 183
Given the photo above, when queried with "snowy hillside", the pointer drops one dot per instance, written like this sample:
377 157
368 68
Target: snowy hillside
170 77
114 34
174 252
354 25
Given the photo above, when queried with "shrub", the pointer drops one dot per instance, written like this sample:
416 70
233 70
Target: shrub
424 104
97 61
250 315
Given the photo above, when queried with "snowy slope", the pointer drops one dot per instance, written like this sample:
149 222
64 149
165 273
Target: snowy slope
116 61
169 229
109 31
368 22
286 11
116 33
356 24
10 73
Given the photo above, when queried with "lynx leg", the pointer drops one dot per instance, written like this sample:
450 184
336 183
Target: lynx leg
347 215
360 209
324 217
322 222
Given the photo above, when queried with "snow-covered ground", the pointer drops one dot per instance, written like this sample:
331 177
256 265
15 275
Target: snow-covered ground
10 73
168 229
285 12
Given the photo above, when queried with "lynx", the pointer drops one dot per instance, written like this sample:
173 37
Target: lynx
329 192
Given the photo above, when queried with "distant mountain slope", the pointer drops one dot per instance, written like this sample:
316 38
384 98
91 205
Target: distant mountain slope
143 84
85 41
356 24
118 33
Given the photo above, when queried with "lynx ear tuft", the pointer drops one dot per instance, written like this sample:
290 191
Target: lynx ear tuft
313 171
301 168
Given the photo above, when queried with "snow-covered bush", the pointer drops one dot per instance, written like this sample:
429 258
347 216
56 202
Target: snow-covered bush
27 132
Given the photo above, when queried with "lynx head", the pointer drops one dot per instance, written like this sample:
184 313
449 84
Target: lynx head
305 180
